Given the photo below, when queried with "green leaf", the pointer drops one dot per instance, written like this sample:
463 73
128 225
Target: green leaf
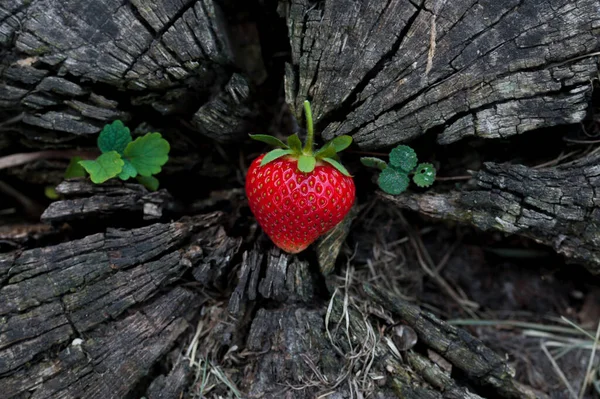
340 143
373 162
114 137
403 157
337 165
393 181
424 175
128 170
294 143
274 154
50 193
106 166
74 169
327 151
265 138
148 153
306 163
150 182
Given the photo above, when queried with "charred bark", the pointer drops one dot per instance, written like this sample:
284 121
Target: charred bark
557 206
68 70
96 316
92 317
386 72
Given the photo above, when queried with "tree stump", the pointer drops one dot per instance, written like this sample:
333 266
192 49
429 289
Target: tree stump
119 290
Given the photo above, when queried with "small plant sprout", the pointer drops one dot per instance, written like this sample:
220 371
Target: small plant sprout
125 158
394 177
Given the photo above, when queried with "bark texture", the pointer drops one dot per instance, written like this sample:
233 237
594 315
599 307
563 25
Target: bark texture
97 316
557 206
389 71
92 317
87 201
65 67
306 352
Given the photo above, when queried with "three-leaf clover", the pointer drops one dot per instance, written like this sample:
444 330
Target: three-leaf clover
393 178
121 157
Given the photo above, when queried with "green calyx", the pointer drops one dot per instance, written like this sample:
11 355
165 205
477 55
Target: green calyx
306 156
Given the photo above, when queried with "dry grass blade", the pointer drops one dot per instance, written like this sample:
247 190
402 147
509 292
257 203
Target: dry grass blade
427 264
217 372
358 352
588 373
558 371
555 342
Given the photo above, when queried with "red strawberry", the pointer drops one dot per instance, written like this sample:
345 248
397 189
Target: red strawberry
295 208
297 195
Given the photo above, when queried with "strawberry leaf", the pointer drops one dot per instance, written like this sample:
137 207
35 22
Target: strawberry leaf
265 138
340 143
114 137
373 162
106 166
74 169
424 175
393 181
148 153
327 151
128 170
403 157
337 165
294 143
274 154
306 163
150 182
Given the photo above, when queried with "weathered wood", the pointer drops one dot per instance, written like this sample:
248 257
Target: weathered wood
557 206
111 199
114 290
292 338
437 378
388 71
65 66
460 348
283 278
172 385
304 352
214 255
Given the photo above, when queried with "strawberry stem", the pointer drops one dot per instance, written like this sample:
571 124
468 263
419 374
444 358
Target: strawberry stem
308 147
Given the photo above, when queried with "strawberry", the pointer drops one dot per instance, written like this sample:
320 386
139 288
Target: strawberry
297 195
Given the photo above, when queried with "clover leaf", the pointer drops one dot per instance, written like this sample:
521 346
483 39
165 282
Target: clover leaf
148 153
123 157
150 182
106 166
393 178
393 181
403 157
128 170
424 175
114 137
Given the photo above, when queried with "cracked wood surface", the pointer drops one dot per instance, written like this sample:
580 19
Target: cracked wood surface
67 68
299 358
86 201
389 71
557 206
76 315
